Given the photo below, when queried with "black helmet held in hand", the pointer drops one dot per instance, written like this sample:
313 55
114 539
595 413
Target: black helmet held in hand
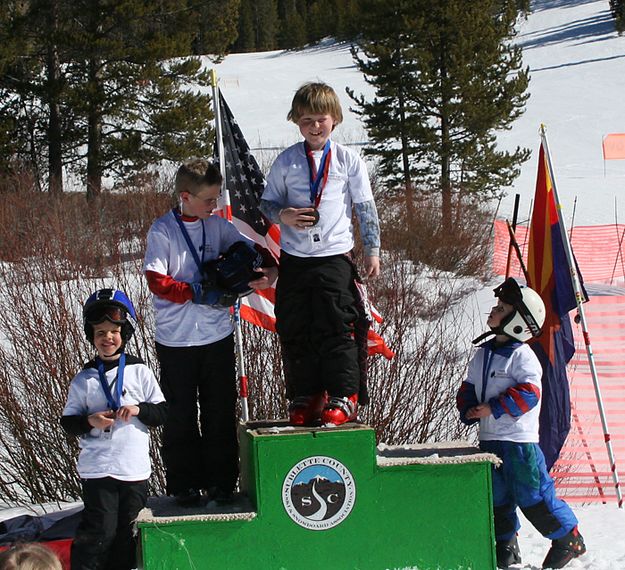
233 270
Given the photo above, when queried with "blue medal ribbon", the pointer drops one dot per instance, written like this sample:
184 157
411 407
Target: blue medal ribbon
316 176
199 262
114 401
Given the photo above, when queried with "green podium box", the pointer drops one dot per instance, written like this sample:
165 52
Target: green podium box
317 498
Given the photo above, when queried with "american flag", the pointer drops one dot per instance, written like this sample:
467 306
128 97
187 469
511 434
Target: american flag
245 184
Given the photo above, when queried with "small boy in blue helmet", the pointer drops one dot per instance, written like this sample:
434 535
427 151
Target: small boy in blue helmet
502 393
111 403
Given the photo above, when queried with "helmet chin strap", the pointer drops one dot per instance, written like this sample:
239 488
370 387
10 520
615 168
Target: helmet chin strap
495 331
483 336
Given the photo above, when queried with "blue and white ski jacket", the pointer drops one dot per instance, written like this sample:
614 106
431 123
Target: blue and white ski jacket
508 378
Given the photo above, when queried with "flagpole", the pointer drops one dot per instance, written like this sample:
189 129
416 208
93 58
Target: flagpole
227 210
579 297
511 229
514 245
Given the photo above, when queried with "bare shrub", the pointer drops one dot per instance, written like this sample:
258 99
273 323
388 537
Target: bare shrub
413 395
59 260
54 253
467 250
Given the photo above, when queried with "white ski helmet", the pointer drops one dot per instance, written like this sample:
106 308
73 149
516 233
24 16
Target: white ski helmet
529 313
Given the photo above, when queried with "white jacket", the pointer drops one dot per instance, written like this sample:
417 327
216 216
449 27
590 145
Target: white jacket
492 373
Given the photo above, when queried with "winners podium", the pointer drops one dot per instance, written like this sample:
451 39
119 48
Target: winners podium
328 498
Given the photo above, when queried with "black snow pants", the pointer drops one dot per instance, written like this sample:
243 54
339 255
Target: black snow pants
315 316
104 538
204 455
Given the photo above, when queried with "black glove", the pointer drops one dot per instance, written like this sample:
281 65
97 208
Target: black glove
228 299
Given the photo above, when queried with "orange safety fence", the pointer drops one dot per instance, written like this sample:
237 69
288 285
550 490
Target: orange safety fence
583 472
599 250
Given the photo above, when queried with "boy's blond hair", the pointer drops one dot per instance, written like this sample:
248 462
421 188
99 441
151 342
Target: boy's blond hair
29 556
315 99
194 173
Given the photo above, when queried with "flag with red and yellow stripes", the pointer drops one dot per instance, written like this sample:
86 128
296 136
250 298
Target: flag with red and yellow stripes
549 274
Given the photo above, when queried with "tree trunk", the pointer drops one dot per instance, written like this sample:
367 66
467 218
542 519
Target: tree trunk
409 190
445 176
94 140
445 153
55 154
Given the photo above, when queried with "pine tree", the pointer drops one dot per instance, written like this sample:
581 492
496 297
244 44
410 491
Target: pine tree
11 45
217 25
446 78
33 80
266 24
135 106
258 25
107 97
617 7
347 15
323 20
246 40
293 32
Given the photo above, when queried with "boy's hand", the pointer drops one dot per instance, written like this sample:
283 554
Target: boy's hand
479 411
270 274
126 412
102 420
372 266
300 218
204 295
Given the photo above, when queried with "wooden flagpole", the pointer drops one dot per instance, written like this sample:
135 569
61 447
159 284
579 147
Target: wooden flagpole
579 296
227 210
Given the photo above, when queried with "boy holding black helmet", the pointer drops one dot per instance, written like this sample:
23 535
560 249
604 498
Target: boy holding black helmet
110 405
188 251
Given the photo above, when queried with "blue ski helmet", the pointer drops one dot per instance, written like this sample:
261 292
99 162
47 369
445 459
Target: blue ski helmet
109 305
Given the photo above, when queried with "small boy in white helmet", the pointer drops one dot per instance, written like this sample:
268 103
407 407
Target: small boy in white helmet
111 403
502 393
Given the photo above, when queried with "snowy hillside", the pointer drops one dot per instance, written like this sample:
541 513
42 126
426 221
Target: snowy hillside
577 66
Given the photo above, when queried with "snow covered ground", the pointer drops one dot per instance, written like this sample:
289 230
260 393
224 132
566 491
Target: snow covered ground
577 90
603 529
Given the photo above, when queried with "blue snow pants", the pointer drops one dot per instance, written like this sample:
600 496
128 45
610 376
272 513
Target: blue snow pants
523 481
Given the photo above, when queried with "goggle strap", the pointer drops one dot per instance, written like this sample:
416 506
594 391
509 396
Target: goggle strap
530 321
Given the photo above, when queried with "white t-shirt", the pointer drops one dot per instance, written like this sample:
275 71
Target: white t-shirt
288 184
167 253
519 367
123 453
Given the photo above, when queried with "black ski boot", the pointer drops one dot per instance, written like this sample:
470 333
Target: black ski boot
508 552
564 549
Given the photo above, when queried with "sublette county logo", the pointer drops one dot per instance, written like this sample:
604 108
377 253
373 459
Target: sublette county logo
318 493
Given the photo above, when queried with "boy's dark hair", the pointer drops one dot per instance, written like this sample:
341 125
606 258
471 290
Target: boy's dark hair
315 99
196 172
